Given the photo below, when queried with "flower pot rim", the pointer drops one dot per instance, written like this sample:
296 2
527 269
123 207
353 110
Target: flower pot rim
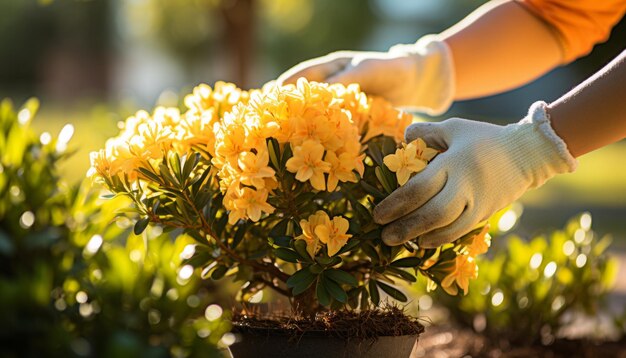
242 328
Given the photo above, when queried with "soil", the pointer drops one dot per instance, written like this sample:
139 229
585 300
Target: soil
440 341
365 325
449 341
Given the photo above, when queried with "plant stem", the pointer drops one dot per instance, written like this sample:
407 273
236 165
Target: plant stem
206 227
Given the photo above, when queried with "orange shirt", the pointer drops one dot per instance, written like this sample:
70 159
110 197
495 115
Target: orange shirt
579 24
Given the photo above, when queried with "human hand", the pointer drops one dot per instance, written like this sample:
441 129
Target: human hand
419 76
483 168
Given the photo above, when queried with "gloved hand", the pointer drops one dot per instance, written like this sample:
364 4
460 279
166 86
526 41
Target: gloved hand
419 76
484 168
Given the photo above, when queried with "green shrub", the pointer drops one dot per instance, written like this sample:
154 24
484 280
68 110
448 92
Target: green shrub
73 282
528 290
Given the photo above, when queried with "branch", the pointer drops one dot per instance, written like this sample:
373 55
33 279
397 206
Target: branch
275 287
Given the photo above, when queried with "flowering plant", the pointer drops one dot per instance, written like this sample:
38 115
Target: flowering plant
277 187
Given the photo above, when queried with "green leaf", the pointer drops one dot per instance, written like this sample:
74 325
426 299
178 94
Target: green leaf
239 234
297 277
219 225
334 289
300 247
286 254
341 277
375 153
353 297
393 292
199 238
219 272
282 241
324 260
300 281
364 213
374 234
373 290
316 268
407 262
370 251
279 229
304 198
351 244
274 152
400 273
175 164
286 155
388 145
372 190
167 175
323 296
141 225
190 164
383 181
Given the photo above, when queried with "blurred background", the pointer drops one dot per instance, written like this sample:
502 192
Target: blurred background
93 62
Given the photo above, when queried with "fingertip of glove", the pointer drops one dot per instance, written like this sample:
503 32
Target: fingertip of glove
427 243
391 236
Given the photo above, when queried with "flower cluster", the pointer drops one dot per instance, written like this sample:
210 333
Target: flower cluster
145 140
277 187
410 159
464 268
320 228
322 124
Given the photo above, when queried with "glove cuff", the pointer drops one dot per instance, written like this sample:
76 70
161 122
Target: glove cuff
545 153
434 92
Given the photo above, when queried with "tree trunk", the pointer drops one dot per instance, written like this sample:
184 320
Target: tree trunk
239 37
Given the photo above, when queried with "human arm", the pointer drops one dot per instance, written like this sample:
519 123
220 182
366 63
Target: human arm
484 167
499 46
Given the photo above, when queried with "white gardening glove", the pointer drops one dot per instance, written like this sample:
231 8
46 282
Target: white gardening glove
417 76
483 168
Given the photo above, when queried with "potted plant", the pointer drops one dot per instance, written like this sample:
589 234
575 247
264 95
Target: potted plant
277 187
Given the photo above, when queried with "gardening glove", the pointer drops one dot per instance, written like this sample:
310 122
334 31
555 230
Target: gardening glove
419 76
483 168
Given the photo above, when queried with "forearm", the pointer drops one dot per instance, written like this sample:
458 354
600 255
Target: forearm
593 114
499 47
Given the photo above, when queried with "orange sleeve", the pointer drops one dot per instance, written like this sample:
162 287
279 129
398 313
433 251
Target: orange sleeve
579 24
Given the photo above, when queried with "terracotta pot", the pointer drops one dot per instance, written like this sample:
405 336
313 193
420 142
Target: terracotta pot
260 343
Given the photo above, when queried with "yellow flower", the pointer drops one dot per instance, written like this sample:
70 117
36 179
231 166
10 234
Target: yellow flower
333 234
258 129
307 163
230 143
123 160
313 125
404 163
221 98
464 269
308 231
421 150
196 131
410 159
252 202
254 168
386 120
100 166
167 116
479 243
341 169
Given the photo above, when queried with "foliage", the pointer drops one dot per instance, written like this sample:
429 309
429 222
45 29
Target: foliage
528 290
277 186
69 284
